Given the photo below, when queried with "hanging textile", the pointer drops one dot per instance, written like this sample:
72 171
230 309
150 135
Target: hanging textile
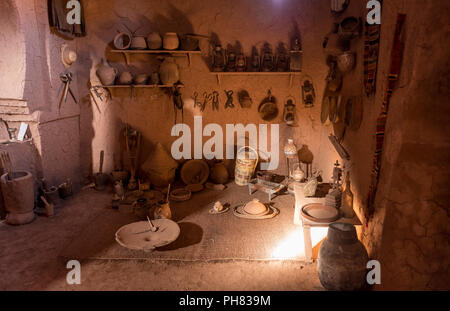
57 14
396 60
371 52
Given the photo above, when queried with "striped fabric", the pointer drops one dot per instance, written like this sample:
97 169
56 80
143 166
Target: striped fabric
396 60
371 49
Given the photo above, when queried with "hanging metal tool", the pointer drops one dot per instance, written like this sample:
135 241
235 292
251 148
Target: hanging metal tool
66 79
229 103
215 100
206 98
196 102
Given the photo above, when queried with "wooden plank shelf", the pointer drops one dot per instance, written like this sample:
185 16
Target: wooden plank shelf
131 87
291 74
126 53
139 86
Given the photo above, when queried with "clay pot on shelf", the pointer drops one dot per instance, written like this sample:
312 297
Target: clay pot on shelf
342 259
219 173
125 78
168 71
18 196
122 41
154 78
171 41
189 42
138 43
154 41
141 79
106 73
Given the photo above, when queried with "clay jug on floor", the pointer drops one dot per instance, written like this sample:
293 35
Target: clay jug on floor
106 73
168 71
219 173
342 259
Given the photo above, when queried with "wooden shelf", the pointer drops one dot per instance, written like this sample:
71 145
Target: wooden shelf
131 87
139 86
291 74
126 53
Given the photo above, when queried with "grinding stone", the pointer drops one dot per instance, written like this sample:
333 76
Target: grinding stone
138 235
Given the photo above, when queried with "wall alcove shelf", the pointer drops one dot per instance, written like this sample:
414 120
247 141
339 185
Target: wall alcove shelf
127 53
291 74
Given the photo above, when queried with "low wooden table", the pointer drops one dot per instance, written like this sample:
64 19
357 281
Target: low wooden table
306 224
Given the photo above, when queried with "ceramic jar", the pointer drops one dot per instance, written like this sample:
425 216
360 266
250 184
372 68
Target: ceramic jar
219 173
168 71
160 167
122 41
138 43
154 41
154 78
141 79
189 43
125 78
171 41
342 259
106 73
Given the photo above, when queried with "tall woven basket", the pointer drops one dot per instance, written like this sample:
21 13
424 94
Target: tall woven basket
246 161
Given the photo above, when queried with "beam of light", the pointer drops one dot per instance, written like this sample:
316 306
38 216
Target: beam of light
293 245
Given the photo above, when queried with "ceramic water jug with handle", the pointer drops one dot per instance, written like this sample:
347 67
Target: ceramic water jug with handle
106 73
168 71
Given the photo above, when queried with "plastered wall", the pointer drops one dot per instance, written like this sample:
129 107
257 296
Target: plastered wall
248 23
30 67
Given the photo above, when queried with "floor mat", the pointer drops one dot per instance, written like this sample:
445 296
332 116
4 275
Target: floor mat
203 236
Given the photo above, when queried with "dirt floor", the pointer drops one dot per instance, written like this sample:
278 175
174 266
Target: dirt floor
30 260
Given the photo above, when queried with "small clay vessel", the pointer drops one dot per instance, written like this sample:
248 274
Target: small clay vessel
154 41
141 79
163 210
126 78
122 41
171 41
138 43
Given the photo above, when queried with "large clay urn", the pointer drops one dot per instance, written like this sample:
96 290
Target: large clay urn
18 196
160 167
168 71
342 259
106 73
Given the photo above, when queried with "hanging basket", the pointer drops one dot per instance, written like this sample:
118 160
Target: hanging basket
245 165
